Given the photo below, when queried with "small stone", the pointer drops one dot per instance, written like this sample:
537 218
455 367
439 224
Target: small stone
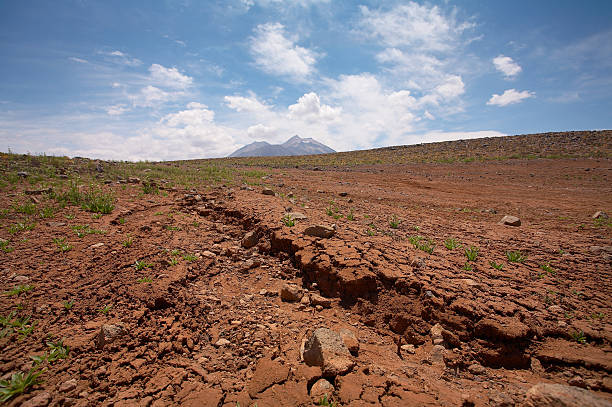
40 400
477 369
437 354
55 224
305 300
222 342
68 386
321 231
600 215
558 395
208 254
343 193
291 293
438 341
577 381
250 239
96 245
409 348
109 333
321 388
319 308
325 348
296 215
21 279
267 191
22 174
316 299
510 221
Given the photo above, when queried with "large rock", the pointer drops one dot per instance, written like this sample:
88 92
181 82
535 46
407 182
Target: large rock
109 333
325 348
600 215
291 293
267 373
558 395
250 239
510 221
321 388
321 231
502 329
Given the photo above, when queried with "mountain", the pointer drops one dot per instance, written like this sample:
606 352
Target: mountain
296 145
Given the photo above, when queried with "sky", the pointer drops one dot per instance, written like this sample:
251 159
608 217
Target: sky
181 79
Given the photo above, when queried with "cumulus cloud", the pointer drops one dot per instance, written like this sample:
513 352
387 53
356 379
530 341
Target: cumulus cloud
507 66
309 107
509 97
169 77
276 53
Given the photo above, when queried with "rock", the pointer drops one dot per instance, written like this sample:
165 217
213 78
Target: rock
510 221
558 395
319 231
316 299
291 293
267 191
68 386
321 388
22 174
343 193
96 245
267 373
477 369
21 279
437 354
350 340
250 239
600 215
222 342
109 333
502 329
40 400
436 332
56 224
408 348
208 254
325 348
296 215
577 381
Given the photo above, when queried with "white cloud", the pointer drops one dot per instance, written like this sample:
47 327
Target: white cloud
116 110
79 60
506 66
418 27
169 77
123 58
262 132
245 104
277 54
509 97
152 96
309 107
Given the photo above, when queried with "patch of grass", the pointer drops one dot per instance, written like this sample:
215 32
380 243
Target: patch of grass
13 324
578 336
451 243
426 245
18 384
173 261
19 290
190 257
325 402
47 212
106 309
26 209
144 280
467 266
496 266
84 230
68 305
141 265
5 246
121 221
69 216
597 315
394 222
547 268
471 253
150 187
20 227
57 350
350 216
288 221
516 257
169 227
62 245
128 242
96 216
93 200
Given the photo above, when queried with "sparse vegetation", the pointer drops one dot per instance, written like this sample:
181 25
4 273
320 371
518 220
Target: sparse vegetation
18 384
84 230
471 253
20 289
496 266
516 257
578 336
20 227
288 221
548 269
128 242
394 222
141 265
62 245
468 266
106 309
190 257
144 280
68 305
452 243
5 246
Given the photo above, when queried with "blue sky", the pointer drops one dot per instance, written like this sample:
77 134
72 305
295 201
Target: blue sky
161 80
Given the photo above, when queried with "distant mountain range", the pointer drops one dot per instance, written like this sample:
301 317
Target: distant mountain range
296 145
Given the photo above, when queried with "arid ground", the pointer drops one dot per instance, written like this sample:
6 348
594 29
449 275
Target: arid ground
160 284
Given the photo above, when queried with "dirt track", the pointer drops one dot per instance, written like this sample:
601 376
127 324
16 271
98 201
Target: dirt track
499 332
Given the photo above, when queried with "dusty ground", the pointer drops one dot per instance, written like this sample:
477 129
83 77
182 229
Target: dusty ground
496 332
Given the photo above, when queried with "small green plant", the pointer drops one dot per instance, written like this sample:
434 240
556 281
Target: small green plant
467 266
69 216
57 350
25 330
451 243
19 290
61 244
176 252
496 266
68 305
128 242
471 253
96 216
426 245
516 257
144 280
369 232
84 230
325 402
18 384
598 315
548 269
578 336
26 209
329 211
190 257
47 212
288 221
414 240
5 246
106 309
150 187
394 222
141 265
350 216
169 227
121 221
4 213
173 261
96 200
20 227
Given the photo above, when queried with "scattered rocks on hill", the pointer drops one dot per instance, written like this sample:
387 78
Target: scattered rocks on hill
558 395
325 348
321 231
510 220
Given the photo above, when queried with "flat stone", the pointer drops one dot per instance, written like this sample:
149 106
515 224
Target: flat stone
40 400
321 231
558 395
267 373
316 299
267 191
325 348
68 386
250 239
600 215
109 333
296 215
321 388
350 340
510 221
291 293
222 342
